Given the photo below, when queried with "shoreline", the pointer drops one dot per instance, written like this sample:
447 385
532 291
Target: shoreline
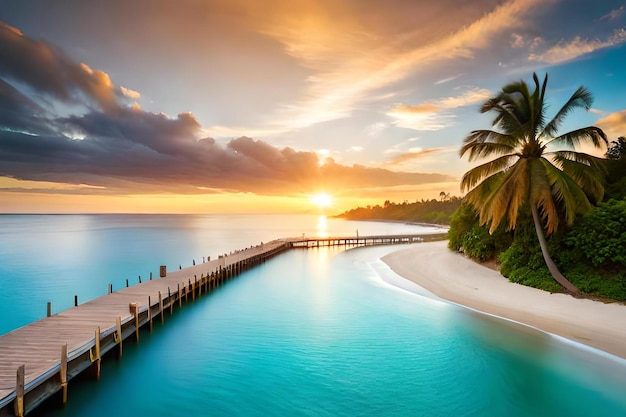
453 277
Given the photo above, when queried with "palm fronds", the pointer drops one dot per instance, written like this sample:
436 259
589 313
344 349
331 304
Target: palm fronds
591 134
582 98
559 188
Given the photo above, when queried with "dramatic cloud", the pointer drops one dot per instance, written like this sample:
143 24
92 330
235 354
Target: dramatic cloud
170 100
113 148
154 154
48 71
347 46
18 111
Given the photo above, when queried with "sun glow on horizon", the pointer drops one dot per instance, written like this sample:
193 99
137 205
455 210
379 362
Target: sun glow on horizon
322 200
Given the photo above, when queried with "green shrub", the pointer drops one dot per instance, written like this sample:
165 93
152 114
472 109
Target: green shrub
523 261
599 283
524 251
601 235
461 221
537 278
467 235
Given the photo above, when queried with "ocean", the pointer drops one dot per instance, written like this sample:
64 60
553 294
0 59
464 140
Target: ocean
317 332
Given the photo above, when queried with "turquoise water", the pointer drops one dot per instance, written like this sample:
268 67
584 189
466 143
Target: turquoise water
325 332
52 258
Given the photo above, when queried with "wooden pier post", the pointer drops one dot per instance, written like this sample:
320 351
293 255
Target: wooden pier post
118 335
95 357
150 313
193 288
19 392
63 374
49 310
75 301
169 297
179 299
126 282
110 288
161 308
134 310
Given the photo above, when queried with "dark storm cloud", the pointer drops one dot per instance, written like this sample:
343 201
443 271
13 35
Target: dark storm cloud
18 112
47 70
127 150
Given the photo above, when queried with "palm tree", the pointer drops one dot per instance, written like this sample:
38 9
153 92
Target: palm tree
527 171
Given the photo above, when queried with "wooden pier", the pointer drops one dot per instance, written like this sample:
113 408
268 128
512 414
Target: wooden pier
363 240
38 360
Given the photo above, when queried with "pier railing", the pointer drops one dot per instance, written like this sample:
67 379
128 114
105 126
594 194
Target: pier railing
37 361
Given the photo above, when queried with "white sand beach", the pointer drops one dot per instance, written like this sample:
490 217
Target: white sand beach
453 277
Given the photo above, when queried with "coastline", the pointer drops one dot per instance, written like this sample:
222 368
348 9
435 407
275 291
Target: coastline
453 277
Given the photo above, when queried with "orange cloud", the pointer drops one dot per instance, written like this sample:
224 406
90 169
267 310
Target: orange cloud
431 115
116 149
614 125
419 108
412 155
127 92
98 85
352 52
47 70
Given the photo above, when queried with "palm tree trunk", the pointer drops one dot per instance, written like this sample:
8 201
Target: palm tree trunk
556 274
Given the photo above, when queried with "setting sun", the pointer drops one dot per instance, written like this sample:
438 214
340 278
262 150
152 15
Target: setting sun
322 200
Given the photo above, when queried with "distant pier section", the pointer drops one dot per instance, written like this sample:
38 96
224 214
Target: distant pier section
38 361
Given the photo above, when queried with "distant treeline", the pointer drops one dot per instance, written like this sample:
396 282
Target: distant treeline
425 211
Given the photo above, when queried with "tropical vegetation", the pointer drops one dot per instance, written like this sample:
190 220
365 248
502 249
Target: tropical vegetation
590 253
424 211
534 169
579 200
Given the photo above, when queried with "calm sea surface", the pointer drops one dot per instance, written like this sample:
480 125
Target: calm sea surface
319 332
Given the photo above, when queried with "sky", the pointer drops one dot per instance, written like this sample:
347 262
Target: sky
233 106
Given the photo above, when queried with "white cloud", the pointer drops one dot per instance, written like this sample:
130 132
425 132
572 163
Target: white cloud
434 115
130 93
569 50
447 80
613 14
351 62
422 121
517 41
375 128
472 96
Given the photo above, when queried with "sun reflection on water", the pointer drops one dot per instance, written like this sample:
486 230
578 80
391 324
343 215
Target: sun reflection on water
322 226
